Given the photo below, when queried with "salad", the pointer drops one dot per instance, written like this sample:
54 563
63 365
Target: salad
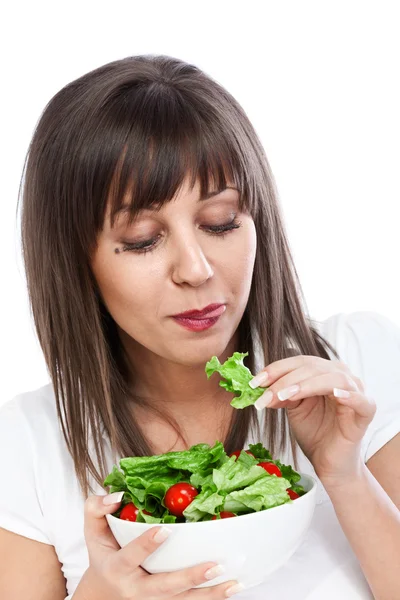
204 483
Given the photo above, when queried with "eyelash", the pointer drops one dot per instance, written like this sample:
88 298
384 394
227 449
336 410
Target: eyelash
220 230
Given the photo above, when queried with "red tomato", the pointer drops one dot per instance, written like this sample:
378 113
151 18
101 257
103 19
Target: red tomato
271 468
130 512
178 497
292 494
237 452
225 514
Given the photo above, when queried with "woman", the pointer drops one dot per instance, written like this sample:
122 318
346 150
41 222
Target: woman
147 194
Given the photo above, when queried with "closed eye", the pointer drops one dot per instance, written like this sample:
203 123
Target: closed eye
149 245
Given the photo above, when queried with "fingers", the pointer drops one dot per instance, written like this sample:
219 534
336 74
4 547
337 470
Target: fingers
166 585
300 385
123 564
364 406
135 553
216 592
162 585
96 529
332 385
286 366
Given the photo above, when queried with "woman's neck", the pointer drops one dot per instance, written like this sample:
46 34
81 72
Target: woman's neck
182 389
207 424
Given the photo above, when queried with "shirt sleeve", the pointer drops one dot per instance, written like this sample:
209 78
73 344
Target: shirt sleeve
370 346
20 508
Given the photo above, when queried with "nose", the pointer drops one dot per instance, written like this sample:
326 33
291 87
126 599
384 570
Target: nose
189 263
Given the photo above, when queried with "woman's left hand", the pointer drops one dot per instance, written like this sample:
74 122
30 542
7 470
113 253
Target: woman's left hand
329 429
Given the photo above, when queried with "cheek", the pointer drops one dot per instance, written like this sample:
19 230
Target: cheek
239 257
123 290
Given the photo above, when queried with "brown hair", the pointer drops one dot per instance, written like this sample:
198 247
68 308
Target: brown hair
150 120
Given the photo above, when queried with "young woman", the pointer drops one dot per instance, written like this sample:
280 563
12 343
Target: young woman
147 194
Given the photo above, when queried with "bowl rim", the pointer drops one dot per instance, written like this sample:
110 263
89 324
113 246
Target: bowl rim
304 476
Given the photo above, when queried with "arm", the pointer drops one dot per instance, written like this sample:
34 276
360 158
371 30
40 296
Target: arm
29 569
370 518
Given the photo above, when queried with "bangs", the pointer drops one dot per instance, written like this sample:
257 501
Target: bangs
169 139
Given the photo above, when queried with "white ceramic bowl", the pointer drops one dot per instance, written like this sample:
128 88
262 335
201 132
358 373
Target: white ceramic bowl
250 546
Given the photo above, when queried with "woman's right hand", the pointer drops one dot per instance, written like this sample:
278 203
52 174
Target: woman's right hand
118 569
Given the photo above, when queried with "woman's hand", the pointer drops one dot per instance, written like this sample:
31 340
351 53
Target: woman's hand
328 428
115 573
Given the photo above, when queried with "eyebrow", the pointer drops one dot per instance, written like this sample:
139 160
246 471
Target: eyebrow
125 208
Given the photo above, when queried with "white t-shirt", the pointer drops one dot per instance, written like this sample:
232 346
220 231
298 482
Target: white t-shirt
41 498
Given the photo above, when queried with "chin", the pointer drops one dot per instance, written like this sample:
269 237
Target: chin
197 354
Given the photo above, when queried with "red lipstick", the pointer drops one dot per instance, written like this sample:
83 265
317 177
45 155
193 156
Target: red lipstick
199 320
197 314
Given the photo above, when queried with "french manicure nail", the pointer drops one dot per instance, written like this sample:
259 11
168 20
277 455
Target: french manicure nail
264 400
341 393
259 380
214 572
288 392
162 535
113 498
234 589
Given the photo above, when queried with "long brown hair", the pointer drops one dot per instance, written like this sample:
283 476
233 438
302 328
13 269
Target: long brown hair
141 124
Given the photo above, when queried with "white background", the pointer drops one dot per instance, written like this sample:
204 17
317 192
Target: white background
320 82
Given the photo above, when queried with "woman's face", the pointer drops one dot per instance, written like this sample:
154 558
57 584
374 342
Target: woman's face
187 266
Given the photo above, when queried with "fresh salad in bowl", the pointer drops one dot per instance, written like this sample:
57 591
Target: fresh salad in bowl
204 483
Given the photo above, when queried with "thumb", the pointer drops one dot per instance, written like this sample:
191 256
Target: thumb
96 529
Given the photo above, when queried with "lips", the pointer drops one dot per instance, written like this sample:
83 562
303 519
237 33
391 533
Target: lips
212 310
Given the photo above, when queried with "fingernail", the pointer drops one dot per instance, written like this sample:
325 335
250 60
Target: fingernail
341 393
259 380
264 400
162 535
113 498
214 572
288 392
234 589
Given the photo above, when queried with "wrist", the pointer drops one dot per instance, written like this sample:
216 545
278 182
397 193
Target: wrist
344 481
86 589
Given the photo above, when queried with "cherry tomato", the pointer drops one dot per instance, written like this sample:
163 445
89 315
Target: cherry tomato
237 452
271 468
292 494
130 512
225 514
178 497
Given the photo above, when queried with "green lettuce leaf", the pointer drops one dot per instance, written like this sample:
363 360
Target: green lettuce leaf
206 502
198 480
148 493
116 480
166 518
261 454
265 493
236 377
235 474
298 489
287 470
195 459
